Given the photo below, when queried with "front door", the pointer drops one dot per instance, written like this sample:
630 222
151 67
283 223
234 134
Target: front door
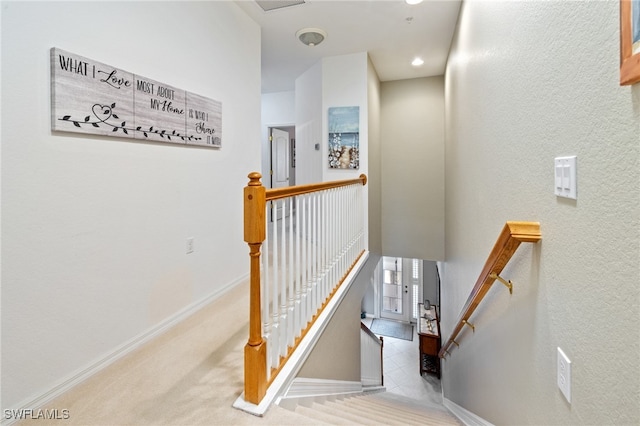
396 292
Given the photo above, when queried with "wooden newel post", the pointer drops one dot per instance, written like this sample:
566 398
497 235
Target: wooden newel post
255 351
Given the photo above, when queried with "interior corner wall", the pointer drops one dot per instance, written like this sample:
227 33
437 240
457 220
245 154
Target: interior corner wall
345 84
278 110
336 354
527 82
308 114
374 176
412 149
343 81
94 228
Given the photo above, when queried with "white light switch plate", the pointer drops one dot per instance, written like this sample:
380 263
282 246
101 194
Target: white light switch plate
564 374
566 182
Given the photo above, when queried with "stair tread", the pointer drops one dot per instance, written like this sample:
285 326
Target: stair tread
398 413
407 403
313 412
370 410
376 409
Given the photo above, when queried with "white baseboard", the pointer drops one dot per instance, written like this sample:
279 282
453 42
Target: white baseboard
304 387
74 379
464 415
305 391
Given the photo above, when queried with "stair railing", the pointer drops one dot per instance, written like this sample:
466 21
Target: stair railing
508 242
371 356
311 239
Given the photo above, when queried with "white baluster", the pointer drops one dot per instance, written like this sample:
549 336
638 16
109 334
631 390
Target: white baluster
298 268
304 264
283 282
264 294
275 338
310 251
314 257
291 291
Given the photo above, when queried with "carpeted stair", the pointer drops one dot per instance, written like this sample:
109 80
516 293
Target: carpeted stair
376 409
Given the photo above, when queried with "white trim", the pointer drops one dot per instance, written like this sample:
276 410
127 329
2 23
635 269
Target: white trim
136 342
290 369
304 387
464 415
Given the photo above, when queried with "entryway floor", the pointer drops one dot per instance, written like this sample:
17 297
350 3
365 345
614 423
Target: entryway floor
401 369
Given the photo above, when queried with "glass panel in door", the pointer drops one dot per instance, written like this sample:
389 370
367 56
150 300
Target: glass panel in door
394 292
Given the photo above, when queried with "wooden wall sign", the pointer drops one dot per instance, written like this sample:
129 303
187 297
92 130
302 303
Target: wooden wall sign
94 98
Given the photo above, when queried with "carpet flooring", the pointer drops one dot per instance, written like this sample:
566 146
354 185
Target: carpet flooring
190 375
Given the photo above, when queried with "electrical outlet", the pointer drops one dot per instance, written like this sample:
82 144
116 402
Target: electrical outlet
564 374
190 245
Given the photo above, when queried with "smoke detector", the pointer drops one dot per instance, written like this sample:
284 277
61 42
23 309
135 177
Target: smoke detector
311 36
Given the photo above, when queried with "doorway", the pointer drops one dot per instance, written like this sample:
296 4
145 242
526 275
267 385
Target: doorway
401 288
282 156
281 143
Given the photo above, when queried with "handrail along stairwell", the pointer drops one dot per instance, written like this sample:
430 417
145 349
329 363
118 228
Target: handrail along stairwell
513 233
318 253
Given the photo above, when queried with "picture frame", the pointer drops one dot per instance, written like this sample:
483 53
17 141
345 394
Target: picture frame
629 42
344 137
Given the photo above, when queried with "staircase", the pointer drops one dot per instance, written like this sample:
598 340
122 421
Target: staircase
376 409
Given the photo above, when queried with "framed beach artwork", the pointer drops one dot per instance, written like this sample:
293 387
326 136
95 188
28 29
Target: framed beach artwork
629 42
344 137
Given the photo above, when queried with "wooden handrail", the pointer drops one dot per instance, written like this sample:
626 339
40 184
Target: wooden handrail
292 191
256 197
367 330
508 242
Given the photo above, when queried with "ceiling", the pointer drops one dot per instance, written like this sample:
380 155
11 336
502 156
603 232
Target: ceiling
392 31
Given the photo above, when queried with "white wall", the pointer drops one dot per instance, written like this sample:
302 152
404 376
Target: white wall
344 83
94 228
278 110
412 151
374 161
308 106
526 82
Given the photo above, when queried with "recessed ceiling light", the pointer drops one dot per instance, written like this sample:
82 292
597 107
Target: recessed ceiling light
417 62
311 36
413 1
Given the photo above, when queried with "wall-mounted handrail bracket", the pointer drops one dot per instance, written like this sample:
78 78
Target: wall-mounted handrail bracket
456 343
508 284
473 327
512 234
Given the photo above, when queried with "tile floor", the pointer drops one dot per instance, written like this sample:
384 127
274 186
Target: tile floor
401 370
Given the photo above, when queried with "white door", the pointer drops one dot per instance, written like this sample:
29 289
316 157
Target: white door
396 291
279 158
279 163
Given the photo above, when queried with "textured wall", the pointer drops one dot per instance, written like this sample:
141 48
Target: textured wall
94 229
412 152
375 161
526 82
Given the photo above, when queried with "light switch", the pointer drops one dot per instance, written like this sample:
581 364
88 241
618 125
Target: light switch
566 184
